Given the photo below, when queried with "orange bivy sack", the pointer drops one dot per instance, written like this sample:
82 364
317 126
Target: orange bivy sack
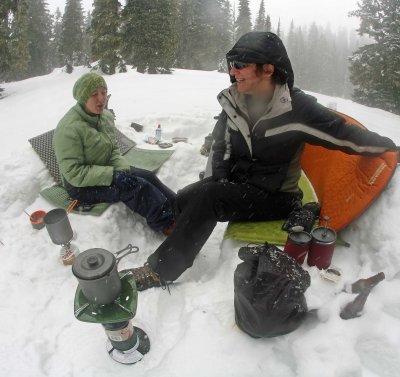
346 185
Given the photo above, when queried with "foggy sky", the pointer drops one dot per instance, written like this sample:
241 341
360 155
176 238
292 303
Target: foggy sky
302 12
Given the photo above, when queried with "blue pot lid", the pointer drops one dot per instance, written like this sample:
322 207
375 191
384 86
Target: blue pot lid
93 264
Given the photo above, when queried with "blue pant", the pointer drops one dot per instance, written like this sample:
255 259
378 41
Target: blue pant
149 198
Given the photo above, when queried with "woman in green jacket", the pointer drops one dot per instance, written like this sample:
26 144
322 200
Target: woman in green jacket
92 166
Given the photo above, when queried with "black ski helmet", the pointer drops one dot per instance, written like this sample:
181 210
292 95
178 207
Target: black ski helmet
262 47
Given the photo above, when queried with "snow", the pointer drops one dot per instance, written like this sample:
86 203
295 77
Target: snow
192 330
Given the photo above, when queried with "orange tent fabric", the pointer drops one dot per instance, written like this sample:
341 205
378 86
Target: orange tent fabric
346 185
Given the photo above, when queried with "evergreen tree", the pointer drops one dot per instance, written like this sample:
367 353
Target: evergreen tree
319 59
292 46
7 9
105 33
232 27
328 59
149 34
312 68
291 41
268 26
193 36
278 29
19 43
374 68
87 39
72 33
243 21
39 31
184 33
260 20
218 35
55 54
205 34
27 48
225 33
300 59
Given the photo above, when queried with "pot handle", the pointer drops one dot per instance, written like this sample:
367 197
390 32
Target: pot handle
125 251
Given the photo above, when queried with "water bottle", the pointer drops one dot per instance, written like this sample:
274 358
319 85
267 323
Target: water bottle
158 133
366 284
354 308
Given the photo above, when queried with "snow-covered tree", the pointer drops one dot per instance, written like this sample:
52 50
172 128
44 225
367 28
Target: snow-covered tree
105 33
19 43
39 31
204 34
243 21
278 29
29 40
268 26
7 9
374 68
55 54
72 33
149 34
260 20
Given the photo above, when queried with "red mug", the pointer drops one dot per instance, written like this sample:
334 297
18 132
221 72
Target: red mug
297 245
322 247
36 219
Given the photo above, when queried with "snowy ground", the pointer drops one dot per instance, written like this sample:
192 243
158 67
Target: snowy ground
192 331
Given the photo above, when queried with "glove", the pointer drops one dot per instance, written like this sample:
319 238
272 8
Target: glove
123 180
303 216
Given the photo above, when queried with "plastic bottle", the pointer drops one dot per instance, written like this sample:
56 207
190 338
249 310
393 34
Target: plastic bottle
158 133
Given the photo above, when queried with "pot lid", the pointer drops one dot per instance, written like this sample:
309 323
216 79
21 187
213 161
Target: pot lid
300 238
93 264
324 235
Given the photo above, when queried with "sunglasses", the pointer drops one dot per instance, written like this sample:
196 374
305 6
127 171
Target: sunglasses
238 65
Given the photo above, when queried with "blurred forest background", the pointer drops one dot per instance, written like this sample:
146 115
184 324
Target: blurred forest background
158 35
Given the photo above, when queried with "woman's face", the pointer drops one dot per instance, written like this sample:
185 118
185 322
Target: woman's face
97 101
252 81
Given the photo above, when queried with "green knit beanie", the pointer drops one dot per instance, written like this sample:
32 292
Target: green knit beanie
86 85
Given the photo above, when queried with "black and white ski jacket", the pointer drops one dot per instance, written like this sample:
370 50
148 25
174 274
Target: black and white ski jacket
268 156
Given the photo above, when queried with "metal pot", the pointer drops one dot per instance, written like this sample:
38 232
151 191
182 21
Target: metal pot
58 226
97 274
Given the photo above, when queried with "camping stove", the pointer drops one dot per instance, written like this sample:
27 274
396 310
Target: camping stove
108 297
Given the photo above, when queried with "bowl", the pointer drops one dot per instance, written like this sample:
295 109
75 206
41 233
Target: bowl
179 139
36 219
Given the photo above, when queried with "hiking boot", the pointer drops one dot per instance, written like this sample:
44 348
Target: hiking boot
145 277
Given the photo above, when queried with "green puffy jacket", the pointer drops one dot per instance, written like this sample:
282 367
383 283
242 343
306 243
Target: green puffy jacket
86 148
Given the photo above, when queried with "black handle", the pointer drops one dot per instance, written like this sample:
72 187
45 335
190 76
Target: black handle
125 251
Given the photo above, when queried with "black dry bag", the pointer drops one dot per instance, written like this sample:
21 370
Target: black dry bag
269 292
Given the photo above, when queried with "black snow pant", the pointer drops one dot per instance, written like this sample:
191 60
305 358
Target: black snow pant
198 208
149 198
